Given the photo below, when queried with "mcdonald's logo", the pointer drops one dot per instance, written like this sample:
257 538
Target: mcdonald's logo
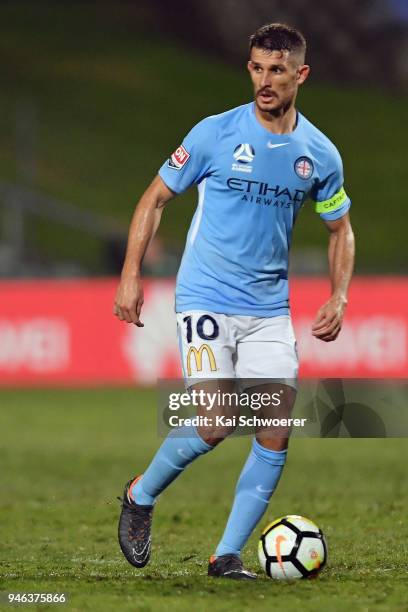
198 357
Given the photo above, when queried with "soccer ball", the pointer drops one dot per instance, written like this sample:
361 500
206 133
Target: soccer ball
292 547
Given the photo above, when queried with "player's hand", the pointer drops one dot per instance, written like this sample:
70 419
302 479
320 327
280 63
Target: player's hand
329 319
129 300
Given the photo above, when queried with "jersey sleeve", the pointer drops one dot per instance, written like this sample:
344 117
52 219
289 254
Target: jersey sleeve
191 161
330 198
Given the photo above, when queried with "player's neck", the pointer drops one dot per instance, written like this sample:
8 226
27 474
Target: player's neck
281 122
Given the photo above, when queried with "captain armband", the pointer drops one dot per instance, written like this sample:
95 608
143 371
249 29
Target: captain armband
332 203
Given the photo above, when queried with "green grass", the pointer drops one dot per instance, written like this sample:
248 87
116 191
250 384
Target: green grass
66 454
114 96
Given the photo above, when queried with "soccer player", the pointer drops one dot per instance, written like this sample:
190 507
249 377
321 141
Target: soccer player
255 167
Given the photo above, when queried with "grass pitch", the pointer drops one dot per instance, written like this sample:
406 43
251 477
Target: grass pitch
65 455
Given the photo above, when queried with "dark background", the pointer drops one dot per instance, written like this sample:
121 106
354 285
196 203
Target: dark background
94 97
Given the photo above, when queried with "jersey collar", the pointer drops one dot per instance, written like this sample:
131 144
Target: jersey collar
270 135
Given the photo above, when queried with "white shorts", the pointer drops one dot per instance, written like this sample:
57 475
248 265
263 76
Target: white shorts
216 345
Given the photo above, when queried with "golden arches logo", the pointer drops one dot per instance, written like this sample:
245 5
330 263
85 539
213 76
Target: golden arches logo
198 357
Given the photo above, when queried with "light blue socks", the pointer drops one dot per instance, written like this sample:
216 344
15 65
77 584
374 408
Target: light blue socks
178 450
257 482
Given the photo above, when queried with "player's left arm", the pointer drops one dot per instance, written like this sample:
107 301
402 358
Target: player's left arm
329 318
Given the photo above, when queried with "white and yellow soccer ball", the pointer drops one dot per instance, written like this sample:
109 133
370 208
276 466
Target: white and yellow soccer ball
292 547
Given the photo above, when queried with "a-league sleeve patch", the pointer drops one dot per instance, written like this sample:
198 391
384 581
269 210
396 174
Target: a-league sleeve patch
179 158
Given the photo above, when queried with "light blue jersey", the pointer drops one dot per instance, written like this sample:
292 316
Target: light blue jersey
251 186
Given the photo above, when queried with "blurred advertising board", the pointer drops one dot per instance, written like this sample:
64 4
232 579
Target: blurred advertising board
63 332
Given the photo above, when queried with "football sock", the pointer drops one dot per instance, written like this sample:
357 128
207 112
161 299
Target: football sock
257 482
178 450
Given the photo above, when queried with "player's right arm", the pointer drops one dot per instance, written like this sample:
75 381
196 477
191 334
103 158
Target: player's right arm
144 224
189 163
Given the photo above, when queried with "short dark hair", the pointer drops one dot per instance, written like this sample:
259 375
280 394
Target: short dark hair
278 37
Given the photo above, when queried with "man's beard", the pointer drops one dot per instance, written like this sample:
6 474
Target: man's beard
275 111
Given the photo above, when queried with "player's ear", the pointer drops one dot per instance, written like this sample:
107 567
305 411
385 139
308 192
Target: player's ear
303 73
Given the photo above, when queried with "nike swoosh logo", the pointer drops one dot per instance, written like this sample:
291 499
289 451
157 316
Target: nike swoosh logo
182 453
143 552
270 145
278 542
237 572
262 490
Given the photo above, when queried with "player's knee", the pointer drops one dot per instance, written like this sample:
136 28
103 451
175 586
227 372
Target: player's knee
214 435
275 444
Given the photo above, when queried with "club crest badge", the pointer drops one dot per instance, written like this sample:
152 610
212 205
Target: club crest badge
304 168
